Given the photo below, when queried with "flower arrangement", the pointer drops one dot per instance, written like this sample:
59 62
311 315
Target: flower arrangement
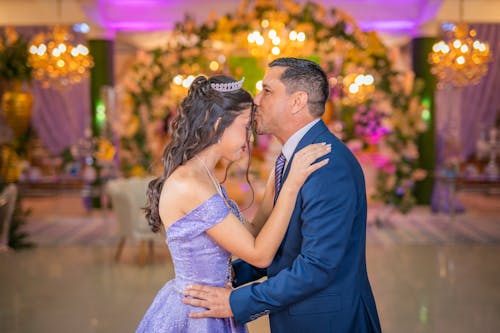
145 105
372 102
398 169
14 67
152 96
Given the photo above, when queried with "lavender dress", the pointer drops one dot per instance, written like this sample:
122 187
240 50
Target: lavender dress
197 259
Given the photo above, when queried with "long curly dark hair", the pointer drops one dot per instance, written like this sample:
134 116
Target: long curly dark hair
193 131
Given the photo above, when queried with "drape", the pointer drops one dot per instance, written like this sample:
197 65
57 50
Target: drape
60 116
463 114
481 103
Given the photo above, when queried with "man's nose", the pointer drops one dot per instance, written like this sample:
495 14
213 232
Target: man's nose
256 99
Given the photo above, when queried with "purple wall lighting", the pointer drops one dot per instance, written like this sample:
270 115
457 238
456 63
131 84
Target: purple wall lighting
388 25
398 16
135 15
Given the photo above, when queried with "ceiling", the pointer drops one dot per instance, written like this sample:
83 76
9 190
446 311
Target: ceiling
390 17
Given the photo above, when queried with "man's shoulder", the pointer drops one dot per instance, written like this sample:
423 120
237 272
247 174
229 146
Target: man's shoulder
340 151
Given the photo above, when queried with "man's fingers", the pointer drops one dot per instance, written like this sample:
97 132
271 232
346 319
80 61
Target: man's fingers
196 294
201 303
198 287
203 314
197 291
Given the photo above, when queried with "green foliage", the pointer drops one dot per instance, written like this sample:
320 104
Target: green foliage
250 67
14 57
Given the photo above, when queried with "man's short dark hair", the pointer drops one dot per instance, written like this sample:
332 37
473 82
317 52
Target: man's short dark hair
305 75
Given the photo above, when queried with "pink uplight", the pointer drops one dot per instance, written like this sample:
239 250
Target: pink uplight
135 15
139 26
389 25
138 3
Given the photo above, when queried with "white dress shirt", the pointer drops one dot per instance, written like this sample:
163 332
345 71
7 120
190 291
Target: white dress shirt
292 142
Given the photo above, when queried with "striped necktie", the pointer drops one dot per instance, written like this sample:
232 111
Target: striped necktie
278 174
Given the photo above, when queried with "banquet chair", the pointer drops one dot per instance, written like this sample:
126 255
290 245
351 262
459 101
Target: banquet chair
8 199
128 197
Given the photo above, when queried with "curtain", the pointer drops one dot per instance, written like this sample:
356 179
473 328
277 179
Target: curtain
60 116
463 114
481 103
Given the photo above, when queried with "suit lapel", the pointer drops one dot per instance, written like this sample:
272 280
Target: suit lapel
308 138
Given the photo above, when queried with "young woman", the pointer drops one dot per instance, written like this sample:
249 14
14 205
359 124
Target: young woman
203 226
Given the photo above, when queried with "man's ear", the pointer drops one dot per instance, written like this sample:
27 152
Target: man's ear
299 101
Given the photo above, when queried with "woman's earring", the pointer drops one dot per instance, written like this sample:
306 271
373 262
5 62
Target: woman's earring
218 141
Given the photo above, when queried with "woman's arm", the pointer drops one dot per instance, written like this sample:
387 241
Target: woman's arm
264 209
260 250
329 200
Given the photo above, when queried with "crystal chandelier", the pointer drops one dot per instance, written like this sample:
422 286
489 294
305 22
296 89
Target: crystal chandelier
273 39
460 59
56 60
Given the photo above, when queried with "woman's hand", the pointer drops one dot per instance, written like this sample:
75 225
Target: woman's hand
302 164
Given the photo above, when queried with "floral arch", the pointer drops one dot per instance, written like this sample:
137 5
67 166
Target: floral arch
373 108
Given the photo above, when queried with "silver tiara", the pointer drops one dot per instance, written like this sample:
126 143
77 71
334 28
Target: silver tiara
225 87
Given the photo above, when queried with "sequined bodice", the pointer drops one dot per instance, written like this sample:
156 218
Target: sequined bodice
198 258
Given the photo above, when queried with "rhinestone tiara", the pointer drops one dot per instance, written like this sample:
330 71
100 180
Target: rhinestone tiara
225 87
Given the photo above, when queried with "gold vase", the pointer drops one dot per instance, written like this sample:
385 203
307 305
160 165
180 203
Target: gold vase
16 105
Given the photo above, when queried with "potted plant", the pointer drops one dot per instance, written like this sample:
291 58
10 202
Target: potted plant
17 102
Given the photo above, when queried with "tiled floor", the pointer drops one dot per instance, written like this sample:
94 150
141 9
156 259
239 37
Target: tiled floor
419 287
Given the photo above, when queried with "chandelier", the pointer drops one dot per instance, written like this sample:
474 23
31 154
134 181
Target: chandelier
273 39
56 60
460 59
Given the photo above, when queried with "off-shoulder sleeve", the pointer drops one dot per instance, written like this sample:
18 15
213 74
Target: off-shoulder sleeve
211 212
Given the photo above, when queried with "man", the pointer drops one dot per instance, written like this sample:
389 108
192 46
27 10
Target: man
317 281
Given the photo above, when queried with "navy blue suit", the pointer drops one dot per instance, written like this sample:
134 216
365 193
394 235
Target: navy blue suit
317 281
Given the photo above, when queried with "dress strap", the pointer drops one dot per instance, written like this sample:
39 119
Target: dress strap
213 179
229 203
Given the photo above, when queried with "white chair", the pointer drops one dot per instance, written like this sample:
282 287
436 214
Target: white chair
8 199
128 197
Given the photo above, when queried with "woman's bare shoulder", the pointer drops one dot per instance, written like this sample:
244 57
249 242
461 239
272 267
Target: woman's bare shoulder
184 190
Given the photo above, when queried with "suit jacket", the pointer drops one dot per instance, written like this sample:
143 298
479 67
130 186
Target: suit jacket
317 281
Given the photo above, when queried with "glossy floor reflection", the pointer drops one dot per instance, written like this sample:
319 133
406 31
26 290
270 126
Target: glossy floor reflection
423 279
451 288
